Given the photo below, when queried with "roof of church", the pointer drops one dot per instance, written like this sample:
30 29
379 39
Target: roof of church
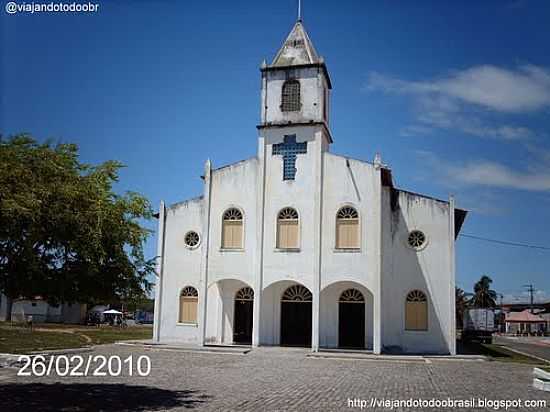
297 49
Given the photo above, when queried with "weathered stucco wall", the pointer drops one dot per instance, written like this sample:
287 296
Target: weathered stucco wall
349 182
385 268
298 194
313 85
233 186
405 269
181 268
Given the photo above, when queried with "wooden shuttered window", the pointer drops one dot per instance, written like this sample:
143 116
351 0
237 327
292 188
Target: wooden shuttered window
188 305
232 229
287 236
347 234
232 237
347 228
288 229
416 311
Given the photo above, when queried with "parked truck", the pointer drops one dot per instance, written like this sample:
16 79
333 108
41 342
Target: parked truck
479 325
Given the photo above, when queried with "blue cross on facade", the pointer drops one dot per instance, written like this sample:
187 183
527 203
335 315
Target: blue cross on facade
289 149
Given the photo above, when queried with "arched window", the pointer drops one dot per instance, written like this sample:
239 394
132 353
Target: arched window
287 229
246 293
290 96
352 295
189 299
232 231
297 293
416 311
347 228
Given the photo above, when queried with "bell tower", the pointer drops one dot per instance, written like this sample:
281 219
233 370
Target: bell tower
296 85
294 137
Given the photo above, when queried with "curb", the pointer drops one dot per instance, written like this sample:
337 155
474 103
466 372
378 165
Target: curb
344 356
545 361
160 346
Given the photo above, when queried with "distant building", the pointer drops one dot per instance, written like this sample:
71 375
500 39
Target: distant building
524 322
41 311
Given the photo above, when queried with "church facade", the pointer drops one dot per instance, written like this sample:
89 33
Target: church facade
302 247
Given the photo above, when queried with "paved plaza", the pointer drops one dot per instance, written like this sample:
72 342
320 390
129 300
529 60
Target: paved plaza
266 379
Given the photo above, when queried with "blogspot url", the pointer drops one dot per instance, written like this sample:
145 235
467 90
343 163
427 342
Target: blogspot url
51 7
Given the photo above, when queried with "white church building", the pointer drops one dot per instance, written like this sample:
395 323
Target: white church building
299 246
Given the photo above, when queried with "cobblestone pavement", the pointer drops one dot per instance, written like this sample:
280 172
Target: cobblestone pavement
266 379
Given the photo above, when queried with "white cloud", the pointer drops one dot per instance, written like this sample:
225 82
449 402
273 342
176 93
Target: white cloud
514 91
458 101
540 296
489 173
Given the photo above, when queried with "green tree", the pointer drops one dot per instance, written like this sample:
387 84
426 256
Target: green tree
65 235
460 306
484 296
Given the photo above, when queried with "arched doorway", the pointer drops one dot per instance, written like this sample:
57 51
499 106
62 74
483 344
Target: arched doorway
351 319
244 312
296 316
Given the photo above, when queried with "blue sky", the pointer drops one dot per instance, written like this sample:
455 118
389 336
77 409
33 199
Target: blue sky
454 95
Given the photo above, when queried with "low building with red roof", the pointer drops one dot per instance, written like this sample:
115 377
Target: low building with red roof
524 322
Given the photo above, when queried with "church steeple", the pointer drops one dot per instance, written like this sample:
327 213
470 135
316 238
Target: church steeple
297 49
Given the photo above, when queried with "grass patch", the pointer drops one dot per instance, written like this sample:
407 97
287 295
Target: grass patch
499 353
104 335
18 340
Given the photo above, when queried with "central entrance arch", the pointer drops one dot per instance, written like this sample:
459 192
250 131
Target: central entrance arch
351 319
296 305
243 316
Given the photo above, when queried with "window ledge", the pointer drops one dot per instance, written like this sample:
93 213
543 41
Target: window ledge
416 330
192 324
347 250
231 250
288 250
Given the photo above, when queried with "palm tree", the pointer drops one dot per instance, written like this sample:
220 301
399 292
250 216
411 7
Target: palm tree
461 305
484 296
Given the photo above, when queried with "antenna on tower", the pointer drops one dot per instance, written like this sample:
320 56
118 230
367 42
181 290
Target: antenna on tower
299 10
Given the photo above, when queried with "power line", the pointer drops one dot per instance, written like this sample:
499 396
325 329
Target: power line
503 242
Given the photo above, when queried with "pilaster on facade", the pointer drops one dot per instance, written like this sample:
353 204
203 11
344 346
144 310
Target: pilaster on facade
205 248
159 271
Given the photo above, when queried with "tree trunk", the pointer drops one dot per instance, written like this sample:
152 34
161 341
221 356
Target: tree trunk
9 305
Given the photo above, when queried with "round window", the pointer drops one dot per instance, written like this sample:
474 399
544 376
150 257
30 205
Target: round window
192 239
417 240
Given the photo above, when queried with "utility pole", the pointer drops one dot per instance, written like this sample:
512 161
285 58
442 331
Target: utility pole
531 290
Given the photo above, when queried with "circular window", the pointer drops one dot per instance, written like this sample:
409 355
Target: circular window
192 239
417 240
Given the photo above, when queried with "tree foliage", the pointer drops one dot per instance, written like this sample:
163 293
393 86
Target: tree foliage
484 296
65 235
461 305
